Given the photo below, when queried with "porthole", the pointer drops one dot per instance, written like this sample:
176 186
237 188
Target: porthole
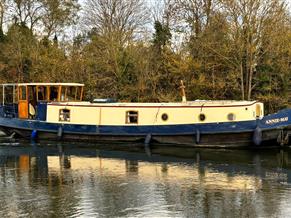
202 117
231 116
165 117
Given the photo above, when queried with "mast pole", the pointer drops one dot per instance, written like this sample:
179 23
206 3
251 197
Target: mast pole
183 93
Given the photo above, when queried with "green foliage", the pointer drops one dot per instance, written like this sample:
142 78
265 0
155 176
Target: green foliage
58 14
2 36
16 53
162 35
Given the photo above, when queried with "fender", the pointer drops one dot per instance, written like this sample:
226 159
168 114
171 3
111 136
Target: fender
257 136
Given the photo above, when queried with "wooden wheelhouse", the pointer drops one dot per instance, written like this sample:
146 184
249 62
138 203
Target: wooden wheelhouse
28 100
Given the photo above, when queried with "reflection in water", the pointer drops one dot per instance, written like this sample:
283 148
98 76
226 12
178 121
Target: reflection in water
65 181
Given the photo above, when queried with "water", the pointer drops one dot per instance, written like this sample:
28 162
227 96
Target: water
66 180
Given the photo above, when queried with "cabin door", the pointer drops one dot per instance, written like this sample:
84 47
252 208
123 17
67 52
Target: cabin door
22 102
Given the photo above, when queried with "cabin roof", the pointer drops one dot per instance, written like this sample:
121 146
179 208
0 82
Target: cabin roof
42 84
197 103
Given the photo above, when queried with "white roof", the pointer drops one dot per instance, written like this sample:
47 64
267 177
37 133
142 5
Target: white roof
199 103
42 84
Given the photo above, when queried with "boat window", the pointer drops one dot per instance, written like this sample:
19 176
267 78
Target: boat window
231 116
165 117
78 93
258 110
202 117
41 93
63 93
64 115
9 97
53 93
131 117
71 93
32 94
22 93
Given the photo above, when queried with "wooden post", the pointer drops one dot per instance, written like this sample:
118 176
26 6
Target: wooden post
59 93
82 91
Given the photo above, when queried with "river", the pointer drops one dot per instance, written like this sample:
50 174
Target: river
73 180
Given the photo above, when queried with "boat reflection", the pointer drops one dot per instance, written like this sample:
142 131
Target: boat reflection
207 168
73 180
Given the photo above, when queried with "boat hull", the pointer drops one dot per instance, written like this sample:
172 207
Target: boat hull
222 140
272 130
218 135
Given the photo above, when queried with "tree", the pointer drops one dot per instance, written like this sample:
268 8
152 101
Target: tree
26 12
47 16
119 20
58 14
3 8
113 26
195 13
251 23
161 36
16 54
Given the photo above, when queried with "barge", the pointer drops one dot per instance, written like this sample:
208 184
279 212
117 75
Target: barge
56 111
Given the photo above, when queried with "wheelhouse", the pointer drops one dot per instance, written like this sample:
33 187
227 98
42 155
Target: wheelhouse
29 100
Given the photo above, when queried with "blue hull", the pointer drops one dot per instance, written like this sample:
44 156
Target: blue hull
271 130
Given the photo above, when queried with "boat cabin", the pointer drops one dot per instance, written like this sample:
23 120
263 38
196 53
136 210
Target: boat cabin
29 100
60 103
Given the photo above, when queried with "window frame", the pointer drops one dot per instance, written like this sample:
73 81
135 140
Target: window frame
21 90
45 93
61 113
49 93
128 115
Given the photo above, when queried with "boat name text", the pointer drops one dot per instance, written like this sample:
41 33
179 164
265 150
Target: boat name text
278 120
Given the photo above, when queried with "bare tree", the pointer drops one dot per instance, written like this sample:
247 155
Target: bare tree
45 16
57 14
195 13
3 8
164 11
27 12
251 23
121 18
